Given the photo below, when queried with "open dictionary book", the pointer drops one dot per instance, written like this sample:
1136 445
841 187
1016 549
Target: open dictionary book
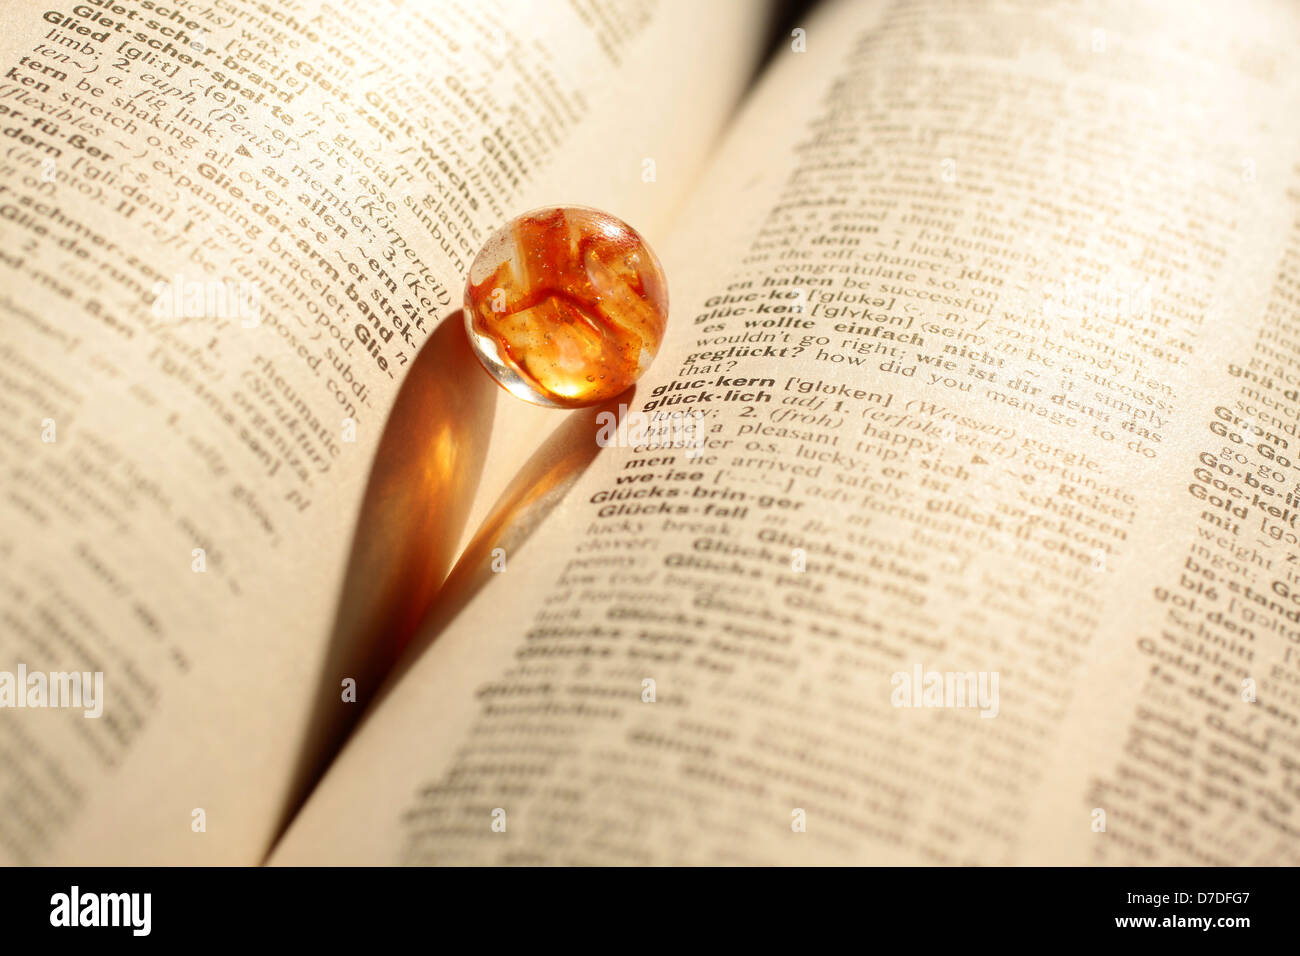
982 546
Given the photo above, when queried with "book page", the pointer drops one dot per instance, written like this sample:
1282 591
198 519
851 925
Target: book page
966 302
227 231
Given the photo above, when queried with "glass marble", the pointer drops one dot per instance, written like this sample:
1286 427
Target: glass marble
566 306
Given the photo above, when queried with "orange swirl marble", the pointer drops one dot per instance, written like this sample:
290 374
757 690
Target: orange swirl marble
566 306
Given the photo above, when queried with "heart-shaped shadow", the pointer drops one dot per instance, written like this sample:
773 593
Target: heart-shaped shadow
535 491
421 487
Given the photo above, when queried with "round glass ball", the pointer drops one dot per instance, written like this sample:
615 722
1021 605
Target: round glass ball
566 306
